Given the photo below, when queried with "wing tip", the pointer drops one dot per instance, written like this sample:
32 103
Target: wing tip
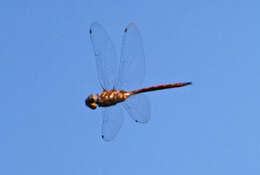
94 26
130 25
105 139
142 122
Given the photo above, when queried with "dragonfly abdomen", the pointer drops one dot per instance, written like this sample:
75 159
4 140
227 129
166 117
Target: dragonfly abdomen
160 87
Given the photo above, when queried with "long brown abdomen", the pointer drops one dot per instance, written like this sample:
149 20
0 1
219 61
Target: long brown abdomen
160 87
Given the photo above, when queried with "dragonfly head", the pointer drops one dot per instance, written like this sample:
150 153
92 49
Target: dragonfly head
91 101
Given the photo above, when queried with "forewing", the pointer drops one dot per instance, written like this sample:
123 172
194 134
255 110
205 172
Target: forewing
106 59
138 107
112 121
132 60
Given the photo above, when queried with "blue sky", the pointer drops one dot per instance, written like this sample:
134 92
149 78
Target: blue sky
47 69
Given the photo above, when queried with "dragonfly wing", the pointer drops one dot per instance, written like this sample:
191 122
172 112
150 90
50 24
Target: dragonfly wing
138 107
106 59
112 122
132 60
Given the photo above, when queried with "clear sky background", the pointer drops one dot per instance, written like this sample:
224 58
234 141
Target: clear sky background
47 69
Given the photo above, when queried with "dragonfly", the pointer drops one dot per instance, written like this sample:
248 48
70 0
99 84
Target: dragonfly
121 79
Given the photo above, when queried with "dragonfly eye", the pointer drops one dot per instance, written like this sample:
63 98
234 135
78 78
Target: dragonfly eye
91 101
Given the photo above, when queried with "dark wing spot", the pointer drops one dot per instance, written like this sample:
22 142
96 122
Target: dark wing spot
125 30
136 121
90 31
102 136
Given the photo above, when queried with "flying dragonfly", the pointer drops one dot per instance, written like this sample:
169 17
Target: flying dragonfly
121 82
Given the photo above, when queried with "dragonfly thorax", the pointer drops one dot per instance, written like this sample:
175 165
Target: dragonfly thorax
111 97
107 98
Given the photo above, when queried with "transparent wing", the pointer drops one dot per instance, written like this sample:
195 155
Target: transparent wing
106 59
132 60
112 122
138 107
